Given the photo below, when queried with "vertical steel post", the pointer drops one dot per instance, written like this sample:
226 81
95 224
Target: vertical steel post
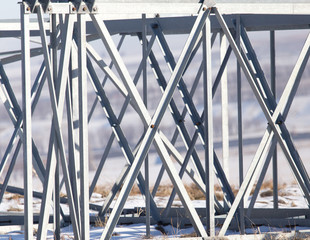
26 107
146 161
240 133
273 89
208 127
225 126
83 124
74 150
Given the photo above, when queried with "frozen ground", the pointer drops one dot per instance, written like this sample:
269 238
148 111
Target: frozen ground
289 197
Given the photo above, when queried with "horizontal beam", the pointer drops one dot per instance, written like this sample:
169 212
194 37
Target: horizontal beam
265 7
183 25
174 7
177 25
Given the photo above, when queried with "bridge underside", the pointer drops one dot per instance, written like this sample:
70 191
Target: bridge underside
152 100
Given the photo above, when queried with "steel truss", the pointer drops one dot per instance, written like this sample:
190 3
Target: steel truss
71 60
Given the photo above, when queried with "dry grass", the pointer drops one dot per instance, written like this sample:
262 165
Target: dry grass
14 197
267 193
164 190
189 235
194 191
135 190
268 185
14 209
103 190
62 195
106 189
100 223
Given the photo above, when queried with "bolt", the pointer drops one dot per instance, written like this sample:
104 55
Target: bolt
95 9
152 126
198 123
49 9
204 9
28 8
73 9
84 9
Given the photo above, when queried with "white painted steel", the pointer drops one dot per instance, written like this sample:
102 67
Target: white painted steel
27 128
208 128
89 16
83 126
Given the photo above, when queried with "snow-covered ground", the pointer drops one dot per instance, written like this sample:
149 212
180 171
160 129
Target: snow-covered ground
290 196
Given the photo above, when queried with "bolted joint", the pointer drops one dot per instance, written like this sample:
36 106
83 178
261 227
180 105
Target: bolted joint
279 122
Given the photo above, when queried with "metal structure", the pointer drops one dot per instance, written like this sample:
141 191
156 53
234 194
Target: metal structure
72 35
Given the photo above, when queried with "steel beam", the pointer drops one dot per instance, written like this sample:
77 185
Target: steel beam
27 146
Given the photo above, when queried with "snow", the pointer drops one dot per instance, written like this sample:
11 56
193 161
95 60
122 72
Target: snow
290 196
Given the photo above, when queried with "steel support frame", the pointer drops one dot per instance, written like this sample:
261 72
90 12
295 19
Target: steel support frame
268 105
152 123
60 93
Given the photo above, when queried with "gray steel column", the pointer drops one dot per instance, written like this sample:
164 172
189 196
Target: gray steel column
224 95
83 125
26 109
208 128
72 99
273 89
240 127
146 161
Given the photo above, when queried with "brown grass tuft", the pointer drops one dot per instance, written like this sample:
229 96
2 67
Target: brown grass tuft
14 209
269 186
281 201
194 192
219 196
62 195
103 190
164 190
135 191
14 197
189 235
267 193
